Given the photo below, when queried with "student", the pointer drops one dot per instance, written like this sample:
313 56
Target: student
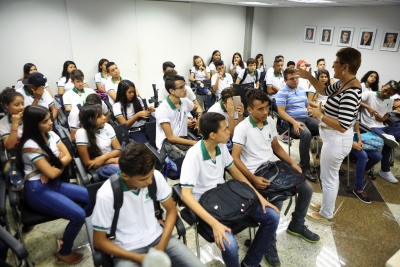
198 74
276 80
271 70
225 107
251 76
376 109
303 83
220 80
160 85
28 69
314 98
35 94
11 124
75 96
64 83
370 81
97 144
203 169
255 143
128 109
113 81
237 64
260 63
216 55
101 77
135 234
290 65
44 192
321 66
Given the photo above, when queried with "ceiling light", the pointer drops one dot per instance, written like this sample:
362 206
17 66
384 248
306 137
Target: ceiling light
256 3
313 1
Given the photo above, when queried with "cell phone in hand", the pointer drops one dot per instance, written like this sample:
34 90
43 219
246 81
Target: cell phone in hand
236 101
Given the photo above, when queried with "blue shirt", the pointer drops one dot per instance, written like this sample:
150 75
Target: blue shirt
295 101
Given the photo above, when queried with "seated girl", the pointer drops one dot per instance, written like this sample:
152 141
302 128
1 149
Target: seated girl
64 83
101 77
370 81
28 69
313 96
11 124
216 55
97 144
128 109
237 65
44 192
198 74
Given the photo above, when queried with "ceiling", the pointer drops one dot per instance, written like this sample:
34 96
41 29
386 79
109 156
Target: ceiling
285 3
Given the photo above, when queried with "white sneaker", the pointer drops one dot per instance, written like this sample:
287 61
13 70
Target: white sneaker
389 140
388 176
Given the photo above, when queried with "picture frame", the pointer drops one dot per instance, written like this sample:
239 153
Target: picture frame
326 36
345 37
366 39
390 40
309 34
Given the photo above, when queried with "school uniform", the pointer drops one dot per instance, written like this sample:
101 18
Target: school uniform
112 85
5 127
73 118
104 136
74 97
274 80
218 107
223 83
46 100
67 85
238 68
250 77
200 75
100 79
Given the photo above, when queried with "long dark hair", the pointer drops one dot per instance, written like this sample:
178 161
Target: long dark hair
375 85
257 57
8 95
194 62
328 82
121 97
88 115
241 60
212 56
65 72
27 67
32 116
101 63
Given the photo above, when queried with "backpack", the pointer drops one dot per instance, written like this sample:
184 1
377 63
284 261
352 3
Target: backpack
231 202
245 75
372 142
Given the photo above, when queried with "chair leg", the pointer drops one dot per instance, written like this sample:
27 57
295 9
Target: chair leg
348 175
196 235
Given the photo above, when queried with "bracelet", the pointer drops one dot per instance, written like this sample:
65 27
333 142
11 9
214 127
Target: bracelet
14 130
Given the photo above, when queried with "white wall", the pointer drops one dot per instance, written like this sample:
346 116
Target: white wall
260 35
285 31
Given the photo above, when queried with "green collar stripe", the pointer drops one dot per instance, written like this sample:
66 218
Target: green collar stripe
173 107
206 155
378 95
281 74
114 82
77 92
125 188
222 106
255 124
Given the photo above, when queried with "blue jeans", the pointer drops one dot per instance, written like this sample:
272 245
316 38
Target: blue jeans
268 224
386 150
206 91
107 170
62 200
365 161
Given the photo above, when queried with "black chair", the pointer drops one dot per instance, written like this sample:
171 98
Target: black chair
122 133
20 252
154 99
110 108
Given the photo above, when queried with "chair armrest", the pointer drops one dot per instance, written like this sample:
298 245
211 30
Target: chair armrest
13 243
3 211
364 128
81 170
160 156
13 198
192 136
180 227
62 119
96 254
95 176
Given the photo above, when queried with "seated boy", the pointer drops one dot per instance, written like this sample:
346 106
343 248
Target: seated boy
203 169
113 80
220 80
78 93
249 74
376 109
255 143
138 229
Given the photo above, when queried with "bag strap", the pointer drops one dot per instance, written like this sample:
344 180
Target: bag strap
118 201
34 150
158 212
244 75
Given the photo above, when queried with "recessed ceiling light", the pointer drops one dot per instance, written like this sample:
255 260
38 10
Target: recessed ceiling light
313 1
256 4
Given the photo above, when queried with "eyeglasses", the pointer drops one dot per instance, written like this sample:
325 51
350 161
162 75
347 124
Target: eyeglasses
180 87
293 79
337 62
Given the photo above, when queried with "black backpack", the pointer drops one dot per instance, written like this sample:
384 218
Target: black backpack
245 75
231 202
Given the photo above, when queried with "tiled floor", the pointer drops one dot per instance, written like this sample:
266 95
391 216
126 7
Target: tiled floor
360 234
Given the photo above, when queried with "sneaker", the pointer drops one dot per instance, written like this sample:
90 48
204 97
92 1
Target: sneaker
362 196
302 231
388 176
312 216
272 257
389 140
285 138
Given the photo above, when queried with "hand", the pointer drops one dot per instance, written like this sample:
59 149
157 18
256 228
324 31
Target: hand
260 182
191 122
379 117
229 106
114 160
144 114
297 167
151 109
44 179
371 111
219 234
315 112
39 92
297 127
141 257
240 109
264 204
304 73
97 162
356 146
220 75
16 119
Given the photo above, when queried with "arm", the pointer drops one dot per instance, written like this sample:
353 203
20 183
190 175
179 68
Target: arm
233 70
98 86
86 85
73 132
215 87
357 145
166 126
281 153
54 111
271 89
169 206
257 84
11 140
112 156
141 114
65 156
208 75
296 125
319 86
197 108
366 106
310 100
98 161
112 94
192 77
49 91
60 90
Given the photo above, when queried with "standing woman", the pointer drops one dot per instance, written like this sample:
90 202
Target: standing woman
44 192
216 55
237 65
101 77
11 124
336 125
128 109
64 83
370 81
28 69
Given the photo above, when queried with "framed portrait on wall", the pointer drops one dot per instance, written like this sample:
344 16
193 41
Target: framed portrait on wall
345 37
309 34
326 36
390 40
366 39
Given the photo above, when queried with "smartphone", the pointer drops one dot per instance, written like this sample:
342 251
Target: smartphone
236 101
145 103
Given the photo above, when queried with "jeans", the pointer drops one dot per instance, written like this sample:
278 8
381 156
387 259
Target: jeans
60 200
138 136
310 129
107 170
180 255
386 150
365 161
268 224
208 94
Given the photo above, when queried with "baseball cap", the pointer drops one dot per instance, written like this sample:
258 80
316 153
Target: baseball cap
36 79
301 62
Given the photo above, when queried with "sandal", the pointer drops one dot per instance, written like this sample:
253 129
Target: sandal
77 259
315 206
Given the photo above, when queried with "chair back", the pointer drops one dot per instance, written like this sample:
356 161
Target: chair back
151 132
122 133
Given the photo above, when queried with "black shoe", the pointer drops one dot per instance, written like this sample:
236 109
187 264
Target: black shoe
362 196
272 257
309 176
303 232
244 265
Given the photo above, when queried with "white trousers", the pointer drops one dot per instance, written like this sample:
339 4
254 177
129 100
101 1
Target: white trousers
336 146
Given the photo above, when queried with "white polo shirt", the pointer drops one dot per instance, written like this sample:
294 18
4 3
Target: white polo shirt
100 79
212 67
275 81
162 94
30 158
73 118
177 118
73 98
238 68
250 78
365 88
200 75
130 111
104 136
46 101
223 83
305 84
112 85
218 107
382 106
137 226
5 127
321 98
67 85
19 84
255 142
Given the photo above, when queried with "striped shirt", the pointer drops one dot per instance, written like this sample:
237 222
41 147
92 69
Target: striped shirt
294 101
344 106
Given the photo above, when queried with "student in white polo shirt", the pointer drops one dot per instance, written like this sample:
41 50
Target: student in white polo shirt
28 69
249 74
237 64
64 83
78 93
113 81
254 143
160 84
198 74
101 77
138 229
97 144
271 70
275 81
11 124
220 80
35 94
216 55
203 169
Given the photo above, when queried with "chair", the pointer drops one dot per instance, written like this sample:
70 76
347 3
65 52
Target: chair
20 252
154 99
122 133
110 108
